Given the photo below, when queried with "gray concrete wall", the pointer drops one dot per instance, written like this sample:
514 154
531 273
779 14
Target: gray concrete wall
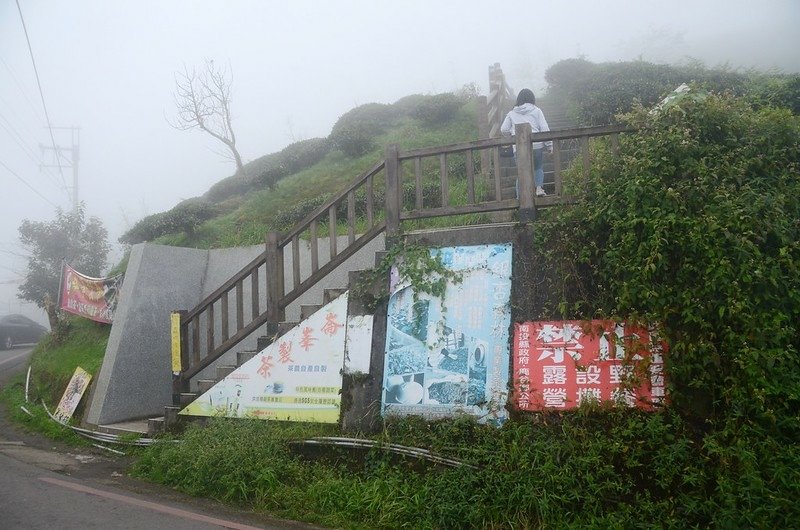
135 380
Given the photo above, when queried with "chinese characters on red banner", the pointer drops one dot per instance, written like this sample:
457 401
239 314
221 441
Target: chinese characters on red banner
558 365
93 298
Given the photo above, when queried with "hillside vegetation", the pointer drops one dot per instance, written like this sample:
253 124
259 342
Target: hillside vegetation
694 223
280 189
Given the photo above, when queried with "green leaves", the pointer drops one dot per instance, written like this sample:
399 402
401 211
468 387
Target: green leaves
695 225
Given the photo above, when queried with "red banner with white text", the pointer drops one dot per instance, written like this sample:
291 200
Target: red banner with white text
93 298
560 364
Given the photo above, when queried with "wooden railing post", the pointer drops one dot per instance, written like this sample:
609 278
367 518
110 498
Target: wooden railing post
524 154
393 193
274 279
483 132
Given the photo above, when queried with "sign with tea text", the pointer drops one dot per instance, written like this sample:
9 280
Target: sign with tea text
296 378
561 364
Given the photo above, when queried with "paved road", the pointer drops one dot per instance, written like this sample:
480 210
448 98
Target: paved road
12 361
44 485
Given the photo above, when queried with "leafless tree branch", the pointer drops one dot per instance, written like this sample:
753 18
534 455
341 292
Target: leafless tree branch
203 101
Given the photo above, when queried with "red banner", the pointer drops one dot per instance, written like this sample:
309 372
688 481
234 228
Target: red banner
93 298
559 364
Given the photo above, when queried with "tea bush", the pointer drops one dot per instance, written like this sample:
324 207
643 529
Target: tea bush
355 131
291 159
437 109
230 187
184 218
599 92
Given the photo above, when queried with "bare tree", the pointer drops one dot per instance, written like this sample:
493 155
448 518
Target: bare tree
203 101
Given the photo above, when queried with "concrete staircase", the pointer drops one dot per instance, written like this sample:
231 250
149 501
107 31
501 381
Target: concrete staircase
557 118
172 421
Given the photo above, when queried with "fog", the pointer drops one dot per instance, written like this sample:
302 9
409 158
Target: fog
108 68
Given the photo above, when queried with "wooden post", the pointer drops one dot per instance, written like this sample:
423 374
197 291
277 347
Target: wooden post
393 196
524 154
274 278
483 132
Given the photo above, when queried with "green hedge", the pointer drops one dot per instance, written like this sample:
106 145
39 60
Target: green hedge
599 92
695 225
184 218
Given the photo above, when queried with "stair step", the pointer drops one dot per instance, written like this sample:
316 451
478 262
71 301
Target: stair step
125 428
155 426
244 356
353 277
380 256
204 385
224 371
306 310
329 295
285 327
187 397
262 342
171 416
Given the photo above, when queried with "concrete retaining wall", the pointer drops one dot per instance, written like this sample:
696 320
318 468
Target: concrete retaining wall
135 380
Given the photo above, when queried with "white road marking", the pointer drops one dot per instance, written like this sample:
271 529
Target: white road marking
17 356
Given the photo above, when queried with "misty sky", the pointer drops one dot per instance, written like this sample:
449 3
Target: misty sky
108 68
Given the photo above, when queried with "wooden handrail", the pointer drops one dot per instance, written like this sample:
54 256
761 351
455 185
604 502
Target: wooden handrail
564 134
387 219
227 286
303 225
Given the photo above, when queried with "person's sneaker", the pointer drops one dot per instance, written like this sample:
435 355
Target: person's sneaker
540 191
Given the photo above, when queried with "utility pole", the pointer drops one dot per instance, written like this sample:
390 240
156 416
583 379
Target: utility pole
74 151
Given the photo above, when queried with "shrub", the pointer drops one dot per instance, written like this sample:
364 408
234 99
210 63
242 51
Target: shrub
184 218
146 229
781 91
354 132
289 217
305 153
568 74
187 215
406 106
437 109
291 159
229 187
695 226
599 92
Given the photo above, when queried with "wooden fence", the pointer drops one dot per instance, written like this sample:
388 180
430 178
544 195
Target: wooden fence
406 186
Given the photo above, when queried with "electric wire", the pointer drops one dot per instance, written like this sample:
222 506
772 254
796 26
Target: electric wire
22 89
41 95
28 184
20 141
19 133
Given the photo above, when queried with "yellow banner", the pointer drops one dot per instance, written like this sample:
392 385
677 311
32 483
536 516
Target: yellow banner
175 328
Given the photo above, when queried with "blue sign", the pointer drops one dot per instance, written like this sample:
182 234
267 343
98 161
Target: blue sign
450 355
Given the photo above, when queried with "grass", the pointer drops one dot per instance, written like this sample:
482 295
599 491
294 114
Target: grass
597 467
255 213
52 364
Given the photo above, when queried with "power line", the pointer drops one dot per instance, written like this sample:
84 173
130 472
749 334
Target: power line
12 270
29 151
21 87
20 141
41 93
12 253
27 184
